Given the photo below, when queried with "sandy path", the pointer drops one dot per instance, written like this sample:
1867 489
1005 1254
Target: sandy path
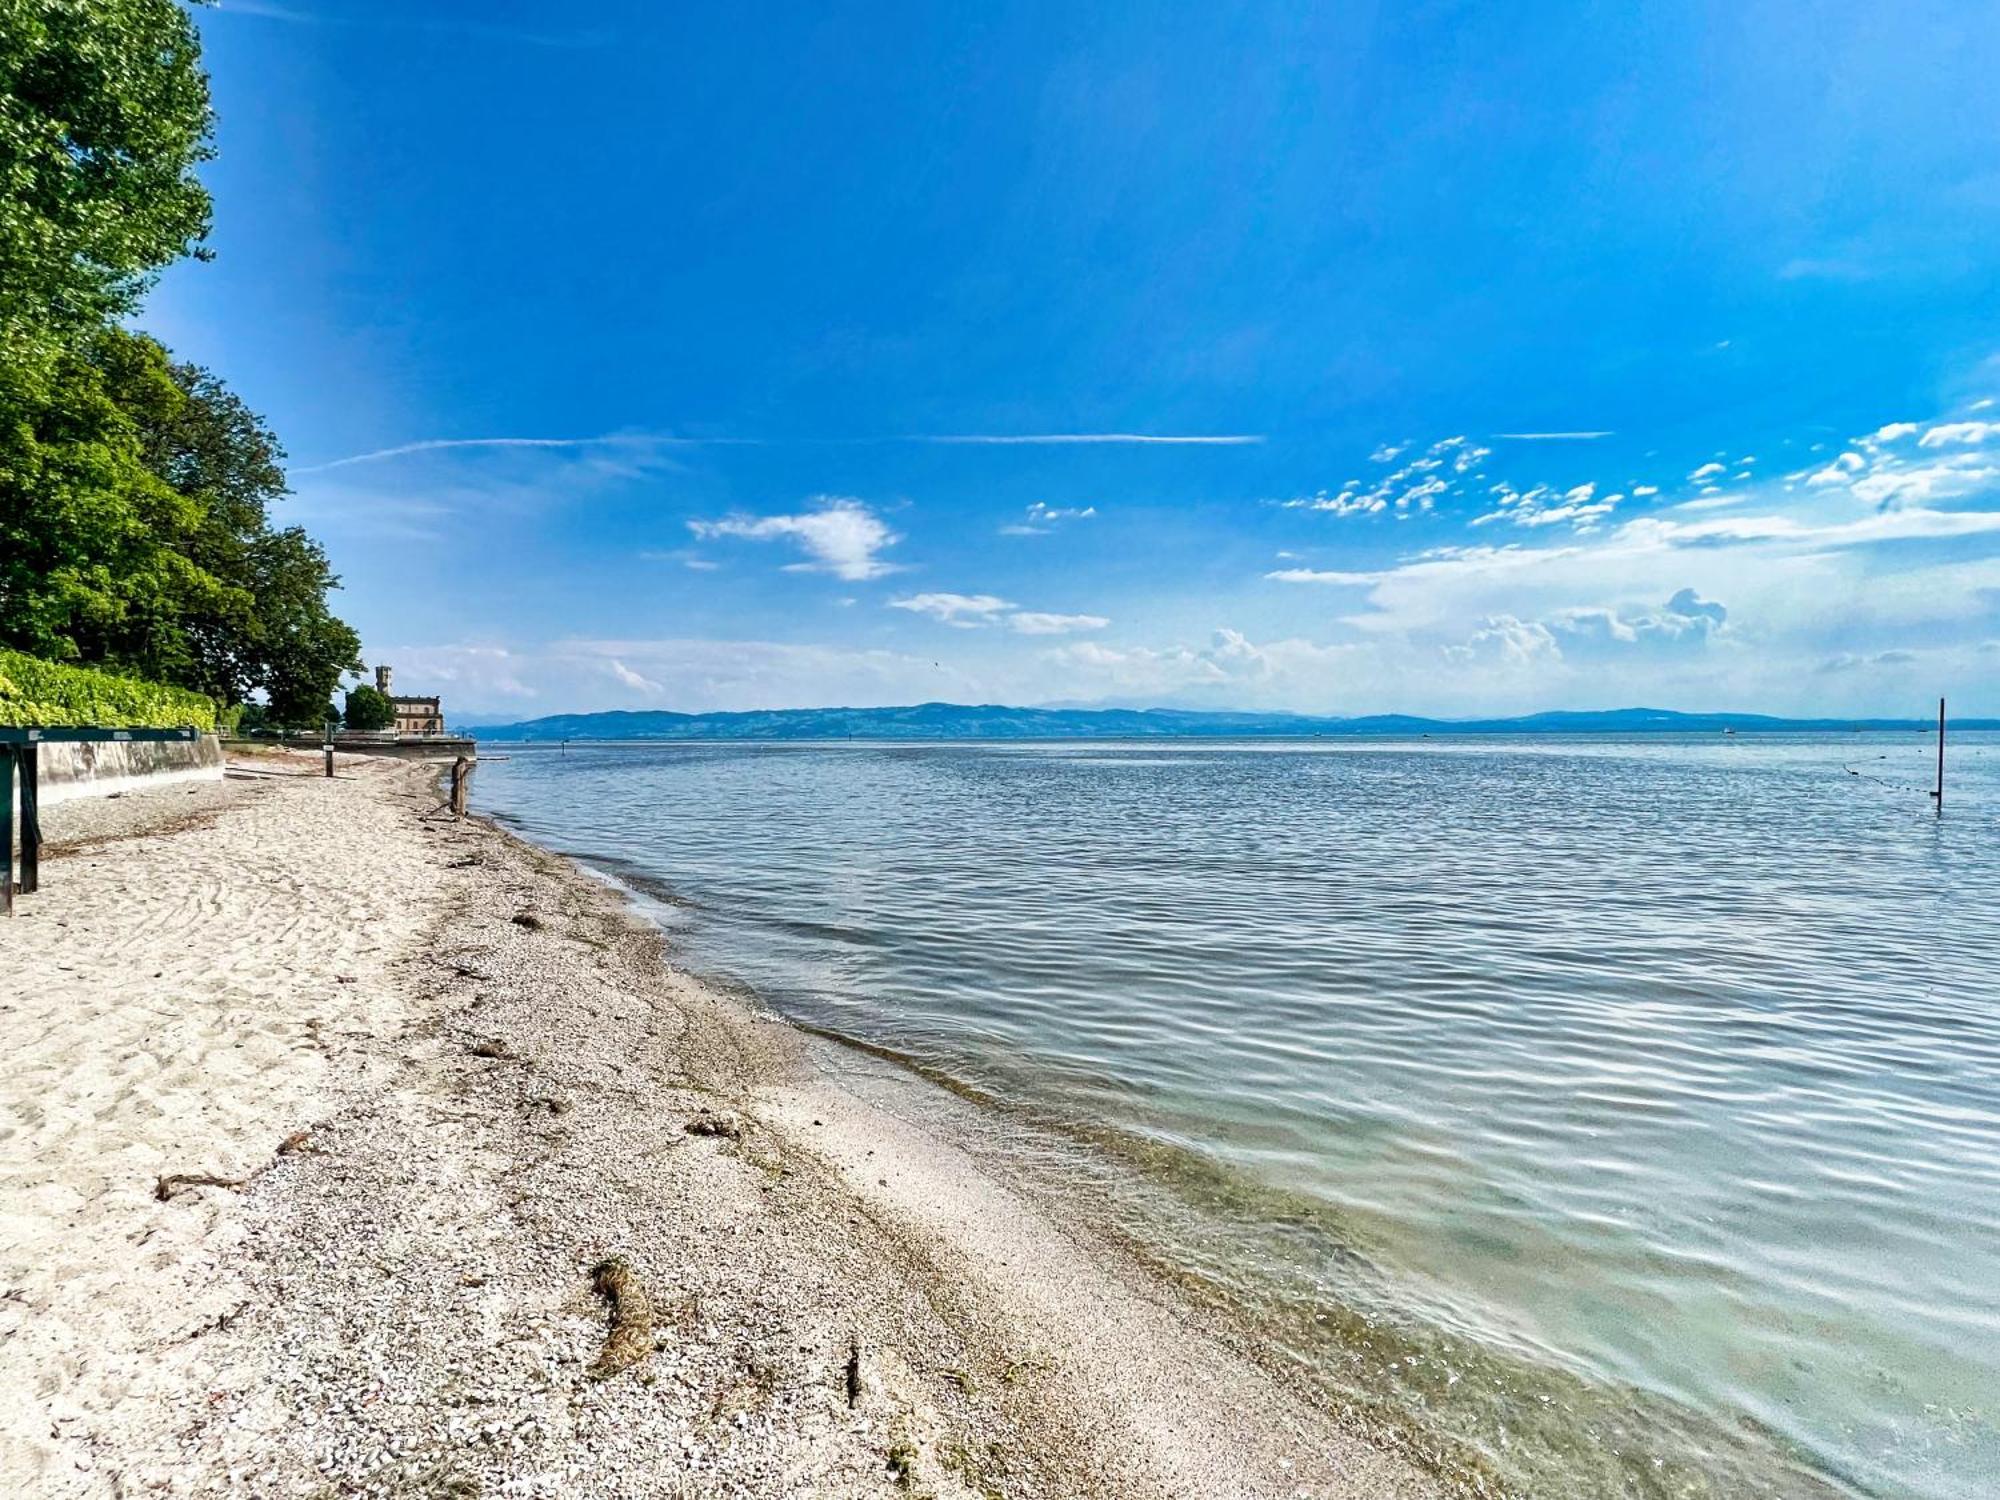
161 1002
512 1086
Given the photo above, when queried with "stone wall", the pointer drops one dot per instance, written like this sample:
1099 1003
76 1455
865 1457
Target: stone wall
98 768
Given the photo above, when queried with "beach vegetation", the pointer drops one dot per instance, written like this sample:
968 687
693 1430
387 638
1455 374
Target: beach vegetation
36 693
135 529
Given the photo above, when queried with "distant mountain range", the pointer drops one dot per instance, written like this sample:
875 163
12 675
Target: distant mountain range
988 721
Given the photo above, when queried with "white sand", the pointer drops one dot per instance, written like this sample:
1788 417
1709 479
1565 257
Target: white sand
496 1070
158 1002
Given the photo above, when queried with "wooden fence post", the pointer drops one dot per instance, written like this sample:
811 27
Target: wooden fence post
31 817
7 756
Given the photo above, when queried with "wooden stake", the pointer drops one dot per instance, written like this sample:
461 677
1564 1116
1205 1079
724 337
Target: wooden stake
1939 793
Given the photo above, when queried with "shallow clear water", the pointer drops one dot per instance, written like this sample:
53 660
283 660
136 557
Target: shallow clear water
1601 1116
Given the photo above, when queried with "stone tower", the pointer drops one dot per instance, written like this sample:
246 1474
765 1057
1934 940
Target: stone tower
382 681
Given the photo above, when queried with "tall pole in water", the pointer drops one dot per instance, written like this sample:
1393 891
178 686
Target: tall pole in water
1939 793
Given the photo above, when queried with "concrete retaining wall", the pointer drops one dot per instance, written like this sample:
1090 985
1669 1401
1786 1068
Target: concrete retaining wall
99 768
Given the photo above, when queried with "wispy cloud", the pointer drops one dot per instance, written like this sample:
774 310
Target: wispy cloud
687 557
1032 622
400 20
1322 576
842 536
970 611
630 440
1230 439
1044 518
964 611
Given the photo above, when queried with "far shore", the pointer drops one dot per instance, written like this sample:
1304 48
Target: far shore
350 1149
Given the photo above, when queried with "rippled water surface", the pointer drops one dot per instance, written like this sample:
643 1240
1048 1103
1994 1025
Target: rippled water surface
1601 1116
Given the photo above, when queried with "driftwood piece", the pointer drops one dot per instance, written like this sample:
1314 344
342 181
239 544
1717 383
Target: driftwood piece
631 1337
714 1122
173 1182
166 1187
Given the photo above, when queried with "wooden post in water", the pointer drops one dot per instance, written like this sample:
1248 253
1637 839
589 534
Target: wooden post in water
1939 793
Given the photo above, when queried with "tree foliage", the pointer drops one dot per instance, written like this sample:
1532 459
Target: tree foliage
104 114
135 532
369 708
134 490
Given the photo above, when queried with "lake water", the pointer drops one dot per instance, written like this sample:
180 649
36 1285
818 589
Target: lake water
1593 1116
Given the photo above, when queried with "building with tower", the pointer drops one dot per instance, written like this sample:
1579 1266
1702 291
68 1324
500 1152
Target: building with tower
414 716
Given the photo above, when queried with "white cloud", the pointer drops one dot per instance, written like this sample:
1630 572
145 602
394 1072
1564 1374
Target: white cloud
962 610
1031 622
1963 434
1044 518
969 611
1313 575
842 536
630 678
1706 471
1228 663
1222 440
1412 489
1508 639
1848 661
495 684
1579 506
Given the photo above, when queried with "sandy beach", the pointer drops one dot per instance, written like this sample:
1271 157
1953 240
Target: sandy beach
322 1116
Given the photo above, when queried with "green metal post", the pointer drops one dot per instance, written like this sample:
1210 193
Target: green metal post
31 818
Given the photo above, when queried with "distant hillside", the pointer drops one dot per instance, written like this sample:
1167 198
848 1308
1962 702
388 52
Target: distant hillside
955 721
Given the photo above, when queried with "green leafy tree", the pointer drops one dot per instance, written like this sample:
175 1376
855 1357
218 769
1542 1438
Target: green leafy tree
96 549
369 708
141 537
134 491
302 649
104 115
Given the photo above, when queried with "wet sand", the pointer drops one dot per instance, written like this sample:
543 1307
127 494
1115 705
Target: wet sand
449 1075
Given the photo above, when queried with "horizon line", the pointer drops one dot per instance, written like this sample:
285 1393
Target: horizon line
1918 721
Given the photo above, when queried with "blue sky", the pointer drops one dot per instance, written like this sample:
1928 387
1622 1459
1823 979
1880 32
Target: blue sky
1437 357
